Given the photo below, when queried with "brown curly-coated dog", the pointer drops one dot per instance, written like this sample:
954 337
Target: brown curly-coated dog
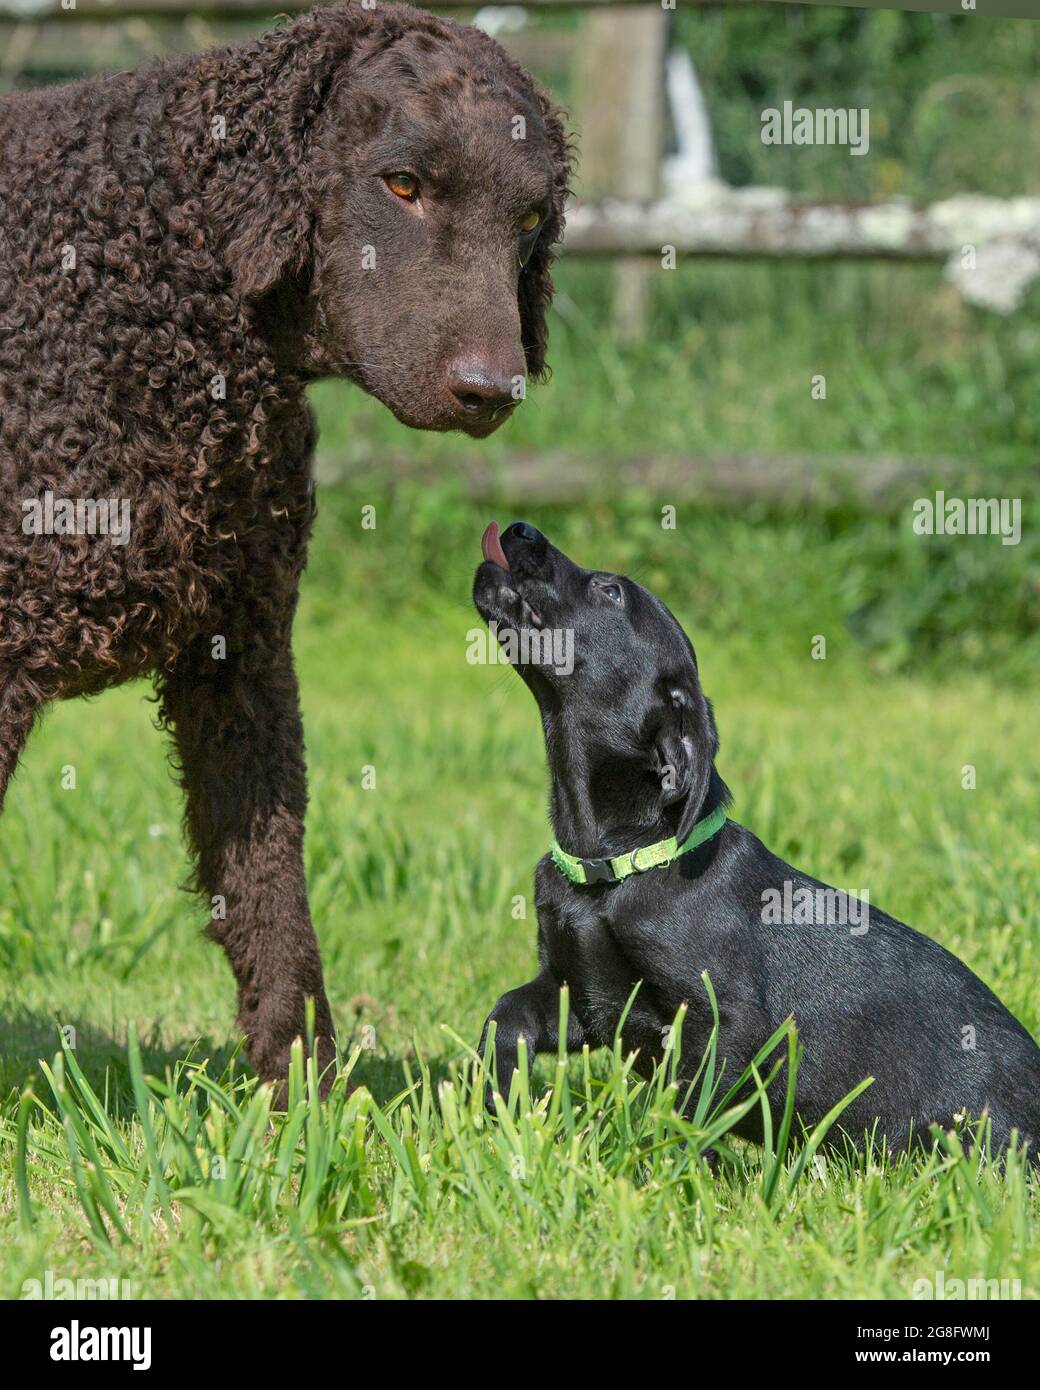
369 193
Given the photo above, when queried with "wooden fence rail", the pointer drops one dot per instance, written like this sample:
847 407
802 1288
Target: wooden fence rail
877 482
723 221
991 246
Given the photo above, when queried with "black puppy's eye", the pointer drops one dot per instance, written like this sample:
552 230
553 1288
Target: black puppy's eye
612 591
405 186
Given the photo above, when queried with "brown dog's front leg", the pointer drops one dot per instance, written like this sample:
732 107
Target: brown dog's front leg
239 741
18 710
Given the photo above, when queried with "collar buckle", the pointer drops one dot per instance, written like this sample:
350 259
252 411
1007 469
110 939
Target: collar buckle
598 871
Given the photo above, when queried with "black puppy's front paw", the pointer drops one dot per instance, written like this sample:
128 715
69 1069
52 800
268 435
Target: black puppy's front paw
489 1093
505 1073
490 1104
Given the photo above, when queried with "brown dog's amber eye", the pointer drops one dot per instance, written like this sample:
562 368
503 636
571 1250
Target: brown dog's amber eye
404 185
530 221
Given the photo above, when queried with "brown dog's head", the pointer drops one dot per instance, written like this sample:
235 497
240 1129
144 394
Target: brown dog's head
408 187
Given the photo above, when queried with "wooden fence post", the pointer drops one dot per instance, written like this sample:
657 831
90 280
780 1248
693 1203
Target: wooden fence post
621 101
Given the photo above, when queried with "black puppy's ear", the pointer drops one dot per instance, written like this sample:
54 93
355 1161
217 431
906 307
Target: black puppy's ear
684 755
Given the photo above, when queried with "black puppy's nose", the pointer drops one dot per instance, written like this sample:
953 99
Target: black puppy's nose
481 390
521 531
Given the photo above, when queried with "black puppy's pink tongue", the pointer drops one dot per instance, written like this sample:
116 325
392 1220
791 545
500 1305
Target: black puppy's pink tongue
491 547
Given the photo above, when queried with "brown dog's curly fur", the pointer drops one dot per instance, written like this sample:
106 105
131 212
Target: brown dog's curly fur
181 251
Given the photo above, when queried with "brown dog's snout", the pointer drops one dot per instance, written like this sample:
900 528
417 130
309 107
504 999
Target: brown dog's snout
482 390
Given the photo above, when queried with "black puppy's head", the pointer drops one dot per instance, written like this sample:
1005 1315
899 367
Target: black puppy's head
629 733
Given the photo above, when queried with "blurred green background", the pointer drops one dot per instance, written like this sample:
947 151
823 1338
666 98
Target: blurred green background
852 767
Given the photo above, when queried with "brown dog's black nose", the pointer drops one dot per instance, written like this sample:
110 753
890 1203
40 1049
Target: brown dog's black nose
481 391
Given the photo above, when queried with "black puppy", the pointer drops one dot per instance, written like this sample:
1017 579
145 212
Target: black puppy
631 744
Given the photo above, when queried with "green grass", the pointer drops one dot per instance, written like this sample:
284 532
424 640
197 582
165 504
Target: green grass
728 363
849 767
135 1144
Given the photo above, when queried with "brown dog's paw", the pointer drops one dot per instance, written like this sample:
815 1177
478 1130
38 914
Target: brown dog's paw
272 1065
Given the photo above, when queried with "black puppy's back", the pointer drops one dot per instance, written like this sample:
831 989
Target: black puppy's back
885 1002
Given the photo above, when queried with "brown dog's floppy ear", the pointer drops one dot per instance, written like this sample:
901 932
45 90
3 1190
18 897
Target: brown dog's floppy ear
536 286
243 126
684 756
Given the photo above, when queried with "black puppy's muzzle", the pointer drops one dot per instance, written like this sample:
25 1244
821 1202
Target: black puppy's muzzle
526 550
517 595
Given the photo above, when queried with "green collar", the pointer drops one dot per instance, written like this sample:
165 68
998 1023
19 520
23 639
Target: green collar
636 861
